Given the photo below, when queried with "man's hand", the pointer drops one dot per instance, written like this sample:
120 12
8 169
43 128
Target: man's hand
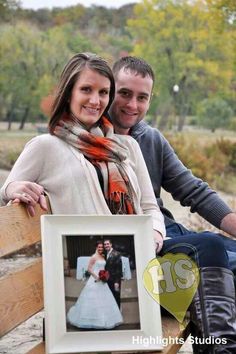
158 240
116 286
26 192
228 224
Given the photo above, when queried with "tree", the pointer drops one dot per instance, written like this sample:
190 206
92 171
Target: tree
214 113
30 71
177 38
223 11
7 9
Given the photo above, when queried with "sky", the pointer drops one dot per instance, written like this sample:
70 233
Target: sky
38 4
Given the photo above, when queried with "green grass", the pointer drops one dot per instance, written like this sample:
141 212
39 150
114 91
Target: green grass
11 145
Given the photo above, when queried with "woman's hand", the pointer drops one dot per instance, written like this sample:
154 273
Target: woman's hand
96 277
26 192
158 240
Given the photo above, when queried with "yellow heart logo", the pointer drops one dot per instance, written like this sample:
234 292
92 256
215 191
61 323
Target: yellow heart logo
172 281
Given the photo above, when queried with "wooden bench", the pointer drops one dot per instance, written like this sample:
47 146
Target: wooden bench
21 293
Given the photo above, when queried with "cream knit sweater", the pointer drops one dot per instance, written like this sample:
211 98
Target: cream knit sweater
71 181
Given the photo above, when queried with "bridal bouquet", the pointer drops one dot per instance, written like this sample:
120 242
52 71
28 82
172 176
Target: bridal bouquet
103 275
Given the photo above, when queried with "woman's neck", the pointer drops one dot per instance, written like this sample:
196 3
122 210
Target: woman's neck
75 119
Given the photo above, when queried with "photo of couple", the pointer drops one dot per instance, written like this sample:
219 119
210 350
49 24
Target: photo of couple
98 306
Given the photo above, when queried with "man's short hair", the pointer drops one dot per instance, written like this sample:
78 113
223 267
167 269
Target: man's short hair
135 65
107 239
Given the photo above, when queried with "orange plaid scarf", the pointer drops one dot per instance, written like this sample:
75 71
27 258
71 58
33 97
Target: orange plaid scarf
102 150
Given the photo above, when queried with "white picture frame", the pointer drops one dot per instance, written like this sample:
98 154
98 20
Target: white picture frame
58 338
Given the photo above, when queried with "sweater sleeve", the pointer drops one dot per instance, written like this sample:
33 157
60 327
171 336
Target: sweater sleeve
26 168
148 200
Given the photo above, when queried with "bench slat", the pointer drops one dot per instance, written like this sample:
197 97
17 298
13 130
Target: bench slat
21 296
171 328
38 349
17 228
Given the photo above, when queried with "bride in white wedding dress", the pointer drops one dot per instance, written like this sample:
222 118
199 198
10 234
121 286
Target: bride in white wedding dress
96 307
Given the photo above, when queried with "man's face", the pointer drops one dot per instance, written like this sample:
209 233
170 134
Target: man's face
132 100
107 245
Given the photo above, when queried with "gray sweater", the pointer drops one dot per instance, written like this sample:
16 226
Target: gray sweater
167 171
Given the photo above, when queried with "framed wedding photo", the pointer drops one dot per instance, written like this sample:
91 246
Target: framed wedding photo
94 295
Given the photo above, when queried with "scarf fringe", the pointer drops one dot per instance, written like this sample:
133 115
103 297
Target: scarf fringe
120 203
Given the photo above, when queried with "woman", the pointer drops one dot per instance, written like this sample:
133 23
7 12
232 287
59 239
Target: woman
81 165
96 306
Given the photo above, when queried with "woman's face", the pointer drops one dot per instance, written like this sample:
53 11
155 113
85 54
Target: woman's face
90 97
100 248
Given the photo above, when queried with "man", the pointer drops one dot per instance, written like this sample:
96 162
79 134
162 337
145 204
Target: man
134 83
114 267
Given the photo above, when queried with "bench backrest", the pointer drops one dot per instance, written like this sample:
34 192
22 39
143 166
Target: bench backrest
21 292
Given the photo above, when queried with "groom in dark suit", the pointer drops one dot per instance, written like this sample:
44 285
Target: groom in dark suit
114 267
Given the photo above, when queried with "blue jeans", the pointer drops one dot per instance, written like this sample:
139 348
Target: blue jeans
177 230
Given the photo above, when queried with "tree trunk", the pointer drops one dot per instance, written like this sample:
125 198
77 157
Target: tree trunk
23 119
165 112
163 123
9 120
10 115
183 112
181 122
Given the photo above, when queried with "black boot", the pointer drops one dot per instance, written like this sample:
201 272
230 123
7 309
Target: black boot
213 312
